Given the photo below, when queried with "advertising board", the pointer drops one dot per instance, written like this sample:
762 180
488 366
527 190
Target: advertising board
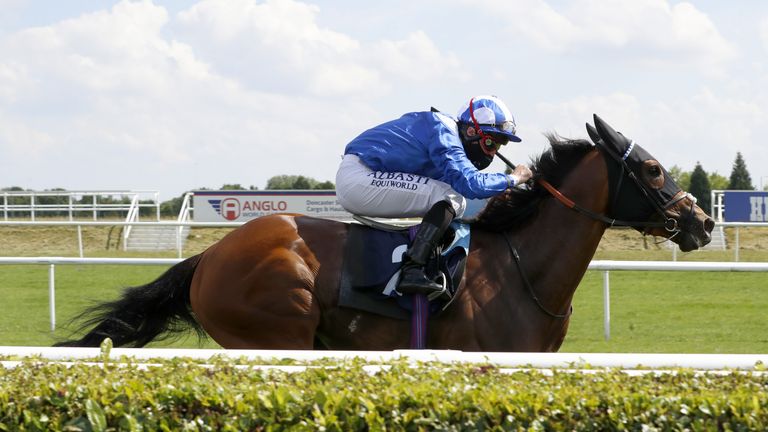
745 206
241 206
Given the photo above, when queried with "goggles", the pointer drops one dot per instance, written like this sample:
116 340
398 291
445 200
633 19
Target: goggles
507 126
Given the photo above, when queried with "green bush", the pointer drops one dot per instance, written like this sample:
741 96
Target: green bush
184 395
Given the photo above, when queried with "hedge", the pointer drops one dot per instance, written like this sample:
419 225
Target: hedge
229 395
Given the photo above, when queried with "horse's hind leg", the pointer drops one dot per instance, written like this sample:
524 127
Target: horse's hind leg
258 296
272 315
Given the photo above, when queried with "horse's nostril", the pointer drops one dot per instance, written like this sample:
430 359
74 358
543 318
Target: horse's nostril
709 225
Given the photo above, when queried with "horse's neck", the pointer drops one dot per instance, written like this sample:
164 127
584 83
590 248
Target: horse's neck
559 244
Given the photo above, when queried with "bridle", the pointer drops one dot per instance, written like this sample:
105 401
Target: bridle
660 207
669 223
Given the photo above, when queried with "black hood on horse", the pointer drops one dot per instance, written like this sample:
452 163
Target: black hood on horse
626 158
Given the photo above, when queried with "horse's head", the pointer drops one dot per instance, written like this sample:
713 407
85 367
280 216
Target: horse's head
642 190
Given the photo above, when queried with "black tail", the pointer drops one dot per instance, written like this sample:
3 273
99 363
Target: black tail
155 311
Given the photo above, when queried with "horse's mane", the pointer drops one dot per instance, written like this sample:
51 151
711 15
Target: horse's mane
513 208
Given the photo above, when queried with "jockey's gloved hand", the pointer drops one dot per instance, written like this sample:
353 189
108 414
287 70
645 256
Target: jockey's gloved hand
521 175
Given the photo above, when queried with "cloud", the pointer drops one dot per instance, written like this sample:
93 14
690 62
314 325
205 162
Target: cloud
276 45
616 108
705 127
763 32
279 45
237 91
100 70
710 127
20 140
8 12
117 86
651 31
415 58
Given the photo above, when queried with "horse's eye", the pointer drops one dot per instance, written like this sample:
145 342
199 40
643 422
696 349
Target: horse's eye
653 174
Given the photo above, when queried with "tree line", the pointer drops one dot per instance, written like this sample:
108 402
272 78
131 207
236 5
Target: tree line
168 208
698 182
701 184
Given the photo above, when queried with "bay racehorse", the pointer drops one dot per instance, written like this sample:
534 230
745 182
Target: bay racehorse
274 282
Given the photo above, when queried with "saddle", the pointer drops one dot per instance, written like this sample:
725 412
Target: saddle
373 256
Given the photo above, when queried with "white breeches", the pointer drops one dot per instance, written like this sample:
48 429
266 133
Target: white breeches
390 194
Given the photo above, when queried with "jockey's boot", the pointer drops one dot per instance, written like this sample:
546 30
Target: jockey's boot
413 279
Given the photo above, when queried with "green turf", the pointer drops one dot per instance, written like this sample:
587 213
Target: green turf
24 292
689 312
696 312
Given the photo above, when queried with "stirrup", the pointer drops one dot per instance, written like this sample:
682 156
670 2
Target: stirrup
443 292
435 294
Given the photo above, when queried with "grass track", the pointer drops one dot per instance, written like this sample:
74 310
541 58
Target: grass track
26 320
667 312
705 312
650 311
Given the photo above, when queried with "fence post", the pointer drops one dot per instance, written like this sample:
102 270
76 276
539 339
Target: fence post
736 251
157 206
80 240
178 239
52 294
606 305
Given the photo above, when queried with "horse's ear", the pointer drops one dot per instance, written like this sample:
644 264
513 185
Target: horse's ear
610 136
593 135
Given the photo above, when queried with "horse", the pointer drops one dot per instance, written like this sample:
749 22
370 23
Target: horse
273 283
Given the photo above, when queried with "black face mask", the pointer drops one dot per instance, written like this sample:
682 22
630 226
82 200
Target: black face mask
472 149
476 155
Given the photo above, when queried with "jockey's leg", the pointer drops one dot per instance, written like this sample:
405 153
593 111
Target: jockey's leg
433 226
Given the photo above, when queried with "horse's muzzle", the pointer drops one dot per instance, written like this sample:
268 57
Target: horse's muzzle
696 234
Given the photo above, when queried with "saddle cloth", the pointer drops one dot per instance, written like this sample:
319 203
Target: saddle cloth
372 261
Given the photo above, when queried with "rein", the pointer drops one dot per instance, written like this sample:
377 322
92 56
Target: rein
669 224
528 285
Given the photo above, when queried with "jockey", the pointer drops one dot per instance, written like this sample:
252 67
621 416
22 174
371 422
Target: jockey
426 164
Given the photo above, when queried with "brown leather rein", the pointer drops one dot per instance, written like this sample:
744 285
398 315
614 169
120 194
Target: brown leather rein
669 224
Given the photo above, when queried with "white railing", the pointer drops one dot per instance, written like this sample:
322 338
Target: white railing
133 216
53 261
737 225
505 360
11 202
184 217
600 265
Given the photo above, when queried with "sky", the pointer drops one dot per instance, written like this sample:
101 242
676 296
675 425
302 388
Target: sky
176 95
